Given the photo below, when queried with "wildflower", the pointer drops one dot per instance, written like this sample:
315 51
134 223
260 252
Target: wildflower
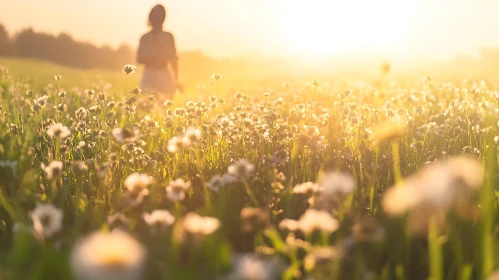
241 169
58 130
289 225
168 103
81 113
129 69
79 167
158 220
315 83
177 143
108 256
175 191
95 108
251 267
389 130
41 101
215 183
254 219
336 184
195 224
323 259
54 169
313 220
306 188
435 189
47 220
216 76
118 220
137 181
193 134
124 135
57 77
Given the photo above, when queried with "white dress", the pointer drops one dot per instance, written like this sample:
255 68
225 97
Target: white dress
155 51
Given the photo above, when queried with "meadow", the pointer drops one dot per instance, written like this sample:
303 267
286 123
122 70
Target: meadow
320 179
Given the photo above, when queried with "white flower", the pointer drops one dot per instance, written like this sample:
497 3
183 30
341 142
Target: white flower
193 134
47 220
250 267
129 69
54 169
336 184
108 256
177 143
118 219
158 219
289 225
241 169
175 191
313 220
195 224
306 188
434 190
41 101
58 130
218 182
215 183
123 135
228 179
137 181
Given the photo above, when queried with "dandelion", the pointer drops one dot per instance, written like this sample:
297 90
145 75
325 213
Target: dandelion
250 267
175 191
58 130
313 220
198 225
193 134
137 181
241 169
215 183
79 167
47 220
158 220
118 220
108 256
129 69
336 184
177 143
124 135
168 103
435 189
306 188
53 170
289 225
41 101
216 76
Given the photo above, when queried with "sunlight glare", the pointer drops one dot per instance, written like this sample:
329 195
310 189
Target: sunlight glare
322 28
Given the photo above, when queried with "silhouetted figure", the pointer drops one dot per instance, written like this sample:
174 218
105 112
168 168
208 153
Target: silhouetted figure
158 53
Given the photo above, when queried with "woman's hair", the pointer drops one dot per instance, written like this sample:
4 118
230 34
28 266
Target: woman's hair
157 16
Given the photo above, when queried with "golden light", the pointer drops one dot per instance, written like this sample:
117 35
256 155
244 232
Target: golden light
316 28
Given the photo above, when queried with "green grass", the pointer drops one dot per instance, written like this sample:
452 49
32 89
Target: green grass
400 181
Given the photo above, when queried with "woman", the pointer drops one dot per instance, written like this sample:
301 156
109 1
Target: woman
158 53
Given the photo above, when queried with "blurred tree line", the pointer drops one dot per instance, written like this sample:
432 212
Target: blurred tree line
63 49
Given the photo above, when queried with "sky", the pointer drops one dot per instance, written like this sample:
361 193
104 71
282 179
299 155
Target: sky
309 28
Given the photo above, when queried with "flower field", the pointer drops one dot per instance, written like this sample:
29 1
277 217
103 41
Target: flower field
317 180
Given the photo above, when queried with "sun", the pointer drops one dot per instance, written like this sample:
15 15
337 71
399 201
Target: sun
316 28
